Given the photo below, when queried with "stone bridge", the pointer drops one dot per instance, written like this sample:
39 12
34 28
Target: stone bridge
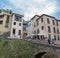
42 49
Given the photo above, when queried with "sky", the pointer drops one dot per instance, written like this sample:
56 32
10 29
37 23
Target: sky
29 8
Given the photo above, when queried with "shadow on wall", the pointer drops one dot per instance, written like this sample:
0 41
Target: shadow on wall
39 55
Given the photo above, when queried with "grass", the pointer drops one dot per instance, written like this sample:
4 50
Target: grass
15 49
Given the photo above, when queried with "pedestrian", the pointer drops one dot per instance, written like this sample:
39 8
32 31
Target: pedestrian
48 41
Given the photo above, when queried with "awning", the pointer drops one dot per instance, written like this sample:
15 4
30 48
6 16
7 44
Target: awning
37 34
34 34
40 34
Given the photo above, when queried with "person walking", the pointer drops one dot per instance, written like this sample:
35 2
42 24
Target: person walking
49 41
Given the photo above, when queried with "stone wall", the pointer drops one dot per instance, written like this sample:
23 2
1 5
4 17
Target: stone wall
5 35
50 49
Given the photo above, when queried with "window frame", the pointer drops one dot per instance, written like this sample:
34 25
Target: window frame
42 20
48 21
49 29
14 23
14 31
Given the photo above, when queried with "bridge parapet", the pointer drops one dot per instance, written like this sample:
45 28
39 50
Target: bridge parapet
45 47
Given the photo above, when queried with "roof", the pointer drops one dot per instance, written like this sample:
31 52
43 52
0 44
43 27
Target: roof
47 15
7 10
35 16
44 15
18 15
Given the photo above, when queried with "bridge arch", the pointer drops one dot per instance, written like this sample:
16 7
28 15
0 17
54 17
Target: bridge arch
45 55
40 54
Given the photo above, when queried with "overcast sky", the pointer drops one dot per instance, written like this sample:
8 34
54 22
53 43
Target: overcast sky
29 8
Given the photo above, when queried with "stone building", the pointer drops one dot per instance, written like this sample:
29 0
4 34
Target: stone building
45 27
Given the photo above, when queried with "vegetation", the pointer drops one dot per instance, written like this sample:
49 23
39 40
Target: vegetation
15 49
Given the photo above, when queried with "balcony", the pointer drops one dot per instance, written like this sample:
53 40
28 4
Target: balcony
18 18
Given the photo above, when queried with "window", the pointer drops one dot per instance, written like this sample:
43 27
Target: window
54 30
14 23
49 30
53 22
17 18
19 33
42 37
57 23
48 21
58 37
58 31
7 21
37 22
55 37
19 24
41 19
14 31
37 31
42 27
1 22
1 16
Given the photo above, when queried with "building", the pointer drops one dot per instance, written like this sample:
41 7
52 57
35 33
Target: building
28 28
45 27
24 29
17 26
5 21
11 24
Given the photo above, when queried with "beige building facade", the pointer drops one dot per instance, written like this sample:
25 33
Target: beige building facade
5 21
45 27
